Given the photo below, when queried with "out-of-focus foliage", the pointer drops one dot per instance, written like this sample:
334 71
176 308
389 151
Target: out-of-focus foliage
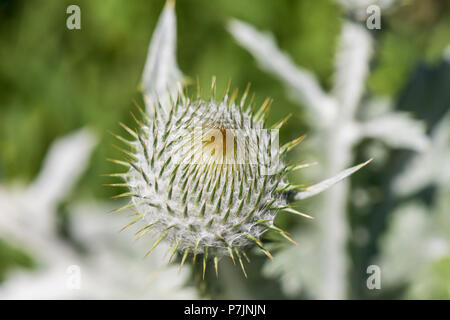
54 80
417 235
91 250
12 257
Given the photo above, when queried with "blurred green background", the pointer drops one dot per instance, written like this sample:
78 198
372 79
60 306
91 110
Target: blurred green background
54 80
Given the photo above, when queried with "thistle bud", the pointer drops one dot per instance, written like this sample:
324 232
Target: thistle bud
207 176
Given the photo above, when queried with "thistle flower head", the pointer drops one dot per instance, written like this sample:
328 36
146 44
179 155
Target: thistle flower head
207 176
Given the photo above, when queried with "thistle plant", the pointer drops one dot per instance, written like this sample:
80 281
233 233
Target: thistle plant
205 176
430 223
335 117
64 163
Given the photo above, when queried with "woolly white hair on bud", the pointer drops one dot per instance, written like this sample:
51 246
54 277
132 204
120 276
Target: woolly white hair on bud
161 72
192 189
186 183
205 176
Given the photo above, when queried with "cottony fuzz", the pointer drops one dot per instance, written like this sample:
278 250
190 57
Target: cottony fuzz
197 193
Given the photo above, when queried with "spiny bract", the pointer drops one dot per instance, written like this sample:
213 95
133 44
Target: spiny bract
207 176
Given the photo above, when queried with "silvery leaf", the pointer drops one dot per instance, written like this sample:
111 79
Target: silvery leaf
325 184
161 74
428 167
300 81
397 129
64 163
